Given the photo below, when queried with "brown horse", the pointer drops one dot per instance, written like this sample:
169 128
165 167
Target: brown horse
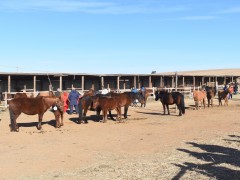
170 99
199 96
32 106
146 94
106 104
125 99
223 94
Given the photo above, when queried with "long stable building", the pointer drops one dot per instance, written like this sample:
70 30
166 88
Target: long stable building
15 82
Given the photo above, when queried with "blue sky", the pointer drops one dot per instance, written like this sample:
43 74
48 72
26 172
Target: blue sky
118 36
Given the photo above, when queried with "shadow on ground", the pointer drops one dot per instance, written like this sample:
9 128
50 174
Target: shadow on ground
217 161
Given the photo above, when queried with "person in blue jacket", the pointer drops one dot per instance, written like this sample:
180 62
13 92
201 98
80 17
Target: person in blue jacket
73 100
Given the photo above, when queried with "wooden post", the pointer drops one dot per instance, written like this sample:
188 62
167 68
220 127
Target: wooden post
102 82
194 83
176 84
60 82
172 81
161 81
150 82
124 85
34 85
82 83
118 83
139 83
183 81
135 81
202 80
176 81
9 83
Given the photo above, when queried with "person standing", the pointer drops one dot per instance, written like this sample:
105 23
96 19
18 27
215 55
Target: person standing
73 99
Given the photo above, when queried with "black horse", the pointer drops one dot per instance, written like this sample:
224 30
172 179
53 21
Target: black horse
170 99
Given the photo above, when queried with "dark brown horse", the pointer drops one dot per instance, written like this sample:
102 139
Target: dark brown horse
170 99
211 93
106 104
223 95
85 104
32 106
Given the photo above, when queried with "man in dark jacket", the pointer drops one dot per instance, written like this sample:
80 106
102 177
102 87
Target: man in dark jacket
73 99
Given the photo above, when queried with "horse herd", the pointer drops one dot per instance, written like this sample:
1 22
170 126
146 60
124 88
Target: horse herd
92 100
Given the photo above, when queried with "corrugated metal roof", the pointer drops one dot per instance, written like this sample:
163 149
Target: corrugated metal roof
211 72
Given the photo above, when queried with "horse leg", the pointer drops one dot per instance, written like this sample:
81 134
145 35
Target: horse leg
57 116
110 115
168 109
196 105
125 111
226 101
61 124
104 115
98 114
85 116
40 116
118 109
208 101
179 108
211 102
13 125
164 109
80 115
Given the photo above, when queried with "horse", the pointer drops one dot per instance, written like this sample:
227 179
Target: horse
106 104
211 93
84 104
223 94
170 99
199 96
32 106
126 98
146 93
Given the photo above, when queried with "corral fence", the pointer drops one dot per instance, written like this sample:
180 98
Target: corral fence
5 97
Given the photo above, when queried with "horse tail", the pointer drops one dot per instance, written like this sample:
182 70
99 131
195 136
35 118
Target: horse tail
11 119
80 109
182 104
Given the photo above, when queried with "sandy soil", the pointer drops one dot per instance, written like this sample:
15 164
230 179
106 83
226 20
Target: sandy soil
202 144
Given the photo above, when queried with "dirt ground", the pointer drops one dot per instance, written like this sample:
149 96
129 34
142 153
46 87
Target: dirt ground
202 144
